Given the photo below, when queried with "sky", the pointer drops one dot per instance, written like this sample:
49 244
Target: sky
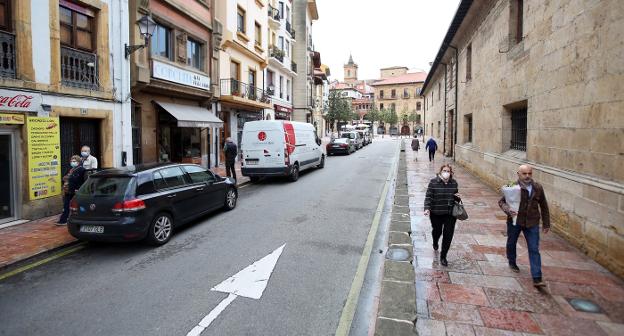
380 33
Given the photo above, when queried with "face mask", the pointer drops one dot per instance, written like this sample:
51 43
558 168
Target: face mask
445 175
85 154
74 164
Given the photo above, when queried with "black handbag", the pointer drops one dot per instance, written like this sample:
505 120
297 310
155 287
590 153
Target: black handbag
459 211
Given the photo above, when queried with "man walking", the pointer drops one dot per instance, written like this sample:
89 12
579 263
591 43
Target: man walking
432 147
231 150
415 147
527 222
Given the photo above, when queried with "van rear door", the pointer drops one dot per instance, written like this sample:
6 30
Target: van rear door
263 148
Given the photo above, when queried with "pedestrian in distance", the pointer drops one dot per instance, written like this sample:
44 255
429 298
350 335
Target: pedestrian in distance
432 147
441 195
72 181
533 206
231 150
415 147
88 161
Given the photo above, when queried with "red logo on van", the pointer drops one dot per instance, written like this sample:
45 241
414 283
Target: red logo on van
261 136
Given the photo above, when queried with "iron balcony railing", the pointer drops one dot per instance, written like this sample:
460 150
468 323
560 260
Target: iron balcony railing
274 13
277 53
233 87
293 66
78 69
7 55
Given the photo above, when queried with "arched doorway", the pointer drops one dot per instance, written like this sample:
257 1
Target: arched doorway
405 130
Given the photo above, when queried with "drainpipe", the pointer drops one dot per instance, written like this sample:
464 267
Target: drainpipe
456 99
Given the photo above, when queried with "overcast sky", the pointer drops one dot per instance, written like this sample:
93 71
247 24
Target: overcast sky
380 33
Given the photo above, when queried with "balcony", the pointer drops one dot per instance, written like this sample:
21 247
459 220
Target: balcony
235 91
277 53
290 29
274 17
78 69
7 55
293 67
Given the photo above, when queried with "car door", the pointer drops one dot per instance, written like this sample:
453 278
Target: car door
181 194
207 191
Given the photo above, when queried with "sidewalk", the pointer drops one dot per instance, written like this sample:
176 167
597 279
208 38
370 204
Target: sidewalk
477 294
38 236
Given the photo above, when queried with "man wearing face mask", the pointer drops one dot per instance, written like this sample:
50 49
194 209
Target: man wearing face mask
533 206
88 161
72 181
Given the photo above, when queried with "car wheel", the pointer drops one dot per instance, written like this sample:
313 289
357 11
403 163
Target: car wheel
254 179
294 173
322 164
231 197
160 230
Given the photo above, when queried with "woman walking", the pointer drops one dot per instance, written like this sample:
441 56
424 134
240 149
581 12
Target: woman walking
71 183
439 201
415 147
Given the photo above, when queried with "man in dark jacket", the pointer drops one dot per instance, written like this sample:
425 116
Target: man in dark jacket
527 222
230 150
432 147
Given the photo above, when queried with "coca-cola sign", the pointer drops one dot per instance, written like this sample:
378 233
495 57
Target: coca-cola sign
19 101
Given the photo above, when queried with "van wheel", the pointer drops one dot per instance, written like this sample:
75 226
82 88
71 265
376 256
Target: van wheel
294 173
254 179
322 164
160 230
231 196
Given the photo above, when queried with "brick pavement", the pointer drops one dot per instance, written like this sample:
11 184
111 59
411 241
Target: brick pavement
477 294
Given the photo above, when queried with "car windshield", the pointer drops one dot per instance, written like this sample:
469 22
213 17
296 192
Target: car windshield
105 186
348 135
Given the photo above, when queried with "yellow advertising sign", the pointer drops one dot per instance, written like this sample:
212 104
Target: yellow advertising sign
44 157
12 119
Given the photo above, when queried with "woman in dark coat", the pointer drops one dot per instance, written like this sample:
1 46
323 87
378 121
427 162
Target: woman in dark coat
71 183
441 194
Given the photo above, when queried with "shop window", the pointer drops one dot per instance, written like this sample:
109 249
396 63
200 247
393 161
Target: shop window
77 24
240 20
160 43
194 54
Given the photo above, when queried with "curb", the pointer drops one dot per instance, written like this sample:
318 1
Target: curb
6 269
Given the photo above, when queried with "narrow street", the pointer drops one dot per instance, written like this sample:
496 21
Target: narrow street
132 289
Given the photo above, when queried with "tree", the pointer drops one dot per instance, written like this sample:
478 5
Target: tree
334 107
393 118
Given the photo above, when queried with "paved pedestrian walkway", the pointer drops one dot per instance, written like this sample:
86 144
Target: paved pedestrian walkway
23 241
477 294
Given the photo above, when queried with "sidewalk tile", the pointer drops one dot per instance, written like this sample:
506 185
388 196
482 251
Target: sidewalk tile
565 326
484 331
463 294
509 320
530 302
459 329
427 327
485 281
455 312
612 329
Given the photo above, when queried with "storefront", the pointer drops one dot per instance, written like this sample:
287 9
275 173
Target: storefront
243 117
282 112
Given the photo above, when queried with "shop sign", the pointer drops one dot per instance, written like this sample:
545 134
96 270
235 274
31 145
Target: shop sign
174 74
19 101
280 108
11 119
44 154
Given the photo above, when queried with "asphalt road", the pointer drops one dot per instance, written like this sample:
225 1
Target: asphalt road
132 289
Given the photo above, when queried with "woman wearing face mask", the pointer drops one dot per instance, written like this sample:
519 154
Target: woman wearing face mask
71 183
439 200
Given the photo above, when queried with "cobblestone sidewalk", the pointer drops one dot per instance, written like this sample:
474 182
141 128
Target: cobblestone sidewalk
477 294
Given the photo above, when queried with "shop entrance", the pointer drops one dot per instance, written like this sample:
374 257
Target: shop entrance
7 177
78 132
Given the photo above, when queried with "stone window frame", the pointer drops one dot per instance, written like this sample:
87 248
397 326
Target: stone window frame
469 62
468 128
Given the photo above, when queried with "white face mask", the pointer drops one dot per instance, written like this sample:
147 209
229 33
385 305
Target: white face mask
445 175
85 154
74 164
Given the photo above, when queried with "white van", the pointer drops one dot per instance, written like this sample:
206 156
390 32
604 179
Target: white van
279 148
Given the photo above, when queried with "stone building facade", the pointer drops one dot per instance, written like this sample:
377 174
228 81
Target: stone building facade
304 15
540 83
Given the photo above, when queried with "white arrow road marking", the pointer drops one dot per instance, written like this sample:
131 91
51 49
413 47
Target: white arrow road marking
249 282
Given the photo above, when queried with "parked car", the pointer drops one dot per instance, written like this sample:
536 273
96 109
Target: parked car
366 138
341 146
279 148
356 137
146 201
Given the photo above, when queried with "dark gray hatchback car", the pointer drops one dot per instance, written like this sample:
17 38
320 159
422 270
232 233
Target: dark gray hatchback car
146 201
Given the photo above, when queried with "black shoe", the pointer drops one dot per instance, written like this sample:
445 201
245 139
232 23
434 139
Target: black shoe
443 262
61 223
435 246
538 283
514 267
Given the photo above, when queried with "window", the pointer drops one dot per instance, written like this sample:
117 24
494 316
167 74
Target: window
235 70
393 93
135 121
381 94
451 70
77 26
287 54
469 62
280 43
240 20
288 89
5 15
252 79
270 82
380 106
439 90
405 93
516 21
519 128
468 128
194 54
258 34
418 106
281 86
160 43
199 174
280 8
171 177
439 128
287 13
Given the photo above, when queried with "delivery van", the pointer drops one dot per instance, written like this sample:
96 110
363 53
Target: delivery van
279 148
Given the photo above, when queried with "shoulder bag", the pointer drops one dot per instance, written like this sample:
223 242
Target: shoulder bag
458 211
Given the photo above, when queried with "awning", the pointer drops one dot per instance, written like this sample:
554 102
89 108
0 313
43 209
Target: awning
191 116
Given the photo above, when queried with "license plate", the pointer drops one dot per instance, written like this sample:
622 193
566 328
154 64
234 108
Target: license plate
251 162
336 146
92 229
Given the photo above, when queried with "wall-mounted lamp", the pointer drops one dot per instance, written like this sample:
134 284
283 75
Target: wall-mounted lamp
146 27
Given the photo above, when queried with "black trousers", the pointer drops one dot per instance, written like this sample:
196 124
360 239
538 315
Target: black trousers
443 225
431 155
229 168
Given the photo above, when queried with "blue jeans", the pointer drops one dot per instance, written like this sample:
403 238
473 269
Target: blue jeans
531 235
